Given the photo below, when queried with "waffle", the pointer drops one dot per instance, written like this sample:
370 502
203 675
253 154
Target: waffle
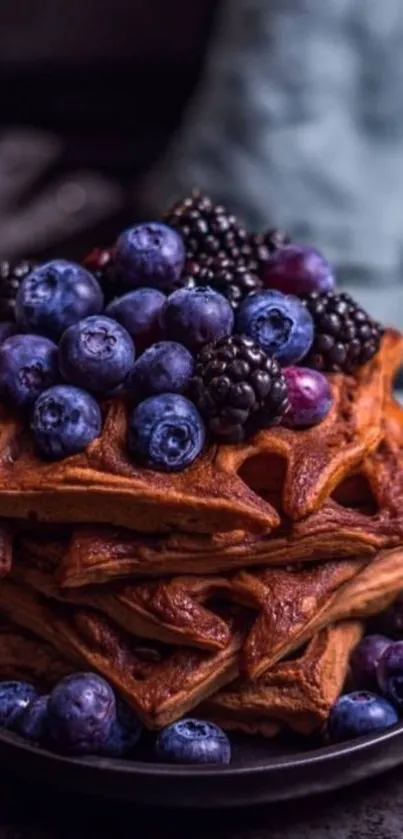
170 611
161 682
364 515
26 658
283 602
288 616
248 612
296 694
220 491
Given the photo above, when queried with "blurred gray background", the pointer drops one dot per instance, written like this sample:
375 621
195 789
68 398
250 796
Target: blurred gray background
289 111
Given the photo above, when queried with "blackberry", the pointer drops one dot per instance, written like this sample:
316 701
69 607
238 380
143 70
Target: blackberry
345 335
260 247
232 279
207 228
101 263
237 388
11 276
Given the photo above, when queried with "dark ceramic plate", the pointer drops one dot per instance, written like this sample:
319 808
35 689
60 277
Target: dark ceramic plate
261 771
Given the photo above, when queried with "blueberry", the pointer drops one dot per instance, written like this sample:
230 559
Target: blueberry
139 312
358 713
166 367
96 354
7 328
309 396
166 432
14 698
32 722
81 713
280 325
65 421
125 732
389 673
197 316
150 254
364 661
56 295
28 366
298 269
193 741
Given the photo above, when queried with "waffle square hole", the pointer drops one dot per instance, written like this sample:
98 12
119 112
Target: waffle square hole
355 493
265 474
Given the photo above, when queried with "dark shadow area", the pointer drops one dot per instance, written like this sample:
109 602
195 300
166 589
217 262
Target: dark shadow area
355 493
265 474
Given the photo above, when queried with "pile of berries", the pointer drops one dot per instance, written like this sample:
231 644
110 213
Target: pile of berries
83 716
206 331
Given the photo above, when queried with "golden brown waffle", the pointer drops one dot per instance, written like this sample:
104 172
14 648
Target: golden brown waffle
29 659
161 683
183 610
220 491
170 611
286 604
290 615
98 555
364 515
296 694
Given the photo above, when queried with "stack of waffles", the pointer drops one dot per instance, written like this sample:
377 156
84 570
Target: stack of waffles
234 590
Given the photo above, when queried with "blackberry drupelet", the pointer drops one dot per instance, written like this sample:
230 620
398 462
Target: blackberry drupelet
101 263
232 279
206 227
260 247
237 388
11 276
345 335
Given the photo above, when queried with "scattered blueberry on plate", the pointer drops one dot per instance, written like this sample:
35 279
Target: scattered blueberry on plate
193 742
14 698
359 713
31 723
124 734
81 712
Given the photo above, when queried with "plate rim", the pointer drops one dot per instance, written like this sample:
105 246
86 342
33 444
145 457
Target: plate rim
255 782
130 766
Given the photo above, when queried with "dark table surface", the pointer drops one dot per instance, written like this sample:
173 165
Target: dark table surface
370 809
